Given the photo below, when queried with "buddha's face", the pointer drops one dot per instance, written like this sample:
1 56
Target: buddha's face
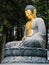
30 14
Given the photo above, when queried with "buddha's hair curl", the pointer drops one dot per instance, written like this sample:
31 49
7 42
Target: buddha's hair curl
30 7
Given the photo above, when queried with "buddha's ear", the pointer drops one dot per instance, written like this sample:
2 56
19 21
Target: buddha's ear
34 13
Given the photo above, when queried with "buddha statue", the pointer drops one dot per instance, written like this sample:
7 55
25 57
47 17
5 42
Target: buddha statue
35 30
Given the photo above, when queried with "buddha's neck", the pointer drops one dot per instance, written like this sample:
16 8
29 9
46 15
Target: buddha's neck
32 19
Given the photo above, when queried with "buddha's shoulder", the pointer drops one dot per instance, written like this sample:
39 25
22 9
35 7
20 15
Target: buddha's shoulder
38 19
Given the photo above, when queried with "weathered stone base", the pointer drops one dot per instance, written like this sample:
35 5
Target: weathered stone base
12 54
26 51
24 59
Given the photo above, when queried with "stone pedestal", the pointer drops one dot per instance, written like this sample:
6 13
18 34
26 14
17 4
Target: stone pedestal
25 51
24 59
24 54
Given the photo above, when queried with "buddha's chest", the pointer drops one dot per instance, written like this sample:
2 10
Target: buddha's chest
29 25
29 28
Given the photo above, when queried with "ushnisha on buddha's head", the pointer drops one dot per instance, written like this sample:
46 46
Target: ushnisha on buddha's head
30 12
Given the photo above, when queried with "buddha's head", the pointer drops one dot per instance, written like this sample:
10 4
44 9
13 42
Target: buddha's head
30 11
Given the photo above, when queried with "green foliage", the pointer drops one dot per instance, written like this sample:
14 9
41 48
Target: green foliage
13 10
42 8
1 28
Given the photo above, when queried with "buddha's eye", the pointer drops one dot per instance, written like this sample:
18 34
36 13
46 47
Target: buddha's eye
28 11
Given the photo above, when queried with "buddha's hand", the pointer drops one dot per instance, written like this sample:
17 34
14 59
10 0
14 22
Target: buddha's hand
23 39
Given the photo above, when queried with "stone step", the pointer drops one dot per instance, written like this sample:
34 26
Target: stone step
48 34
25 51
48 41
48 38
48 30
48 46
24 59
48 55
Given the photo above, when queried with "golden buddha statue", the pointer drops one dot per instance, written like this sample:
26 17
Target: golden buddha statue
35 30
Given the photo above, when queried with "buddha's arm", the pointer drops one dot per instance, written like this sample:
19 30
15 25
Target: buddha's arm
24 37
41 27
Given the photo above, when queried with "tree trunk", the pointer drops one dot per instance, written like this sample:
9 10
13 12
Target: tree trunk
3 41
2 46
